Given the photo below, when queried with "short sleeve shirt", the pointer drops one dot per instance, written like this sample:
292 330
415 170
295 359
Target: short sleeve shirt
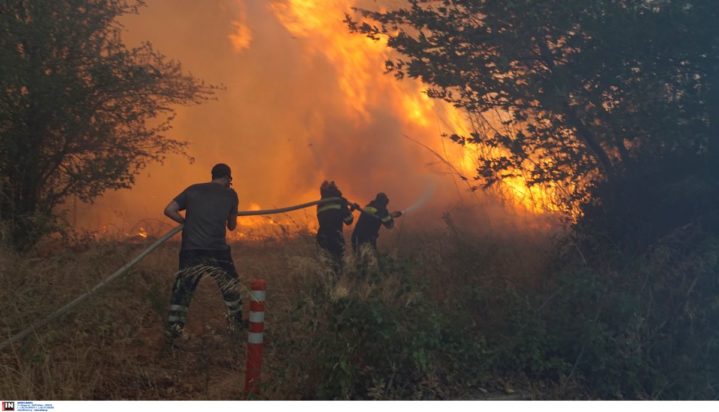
207 205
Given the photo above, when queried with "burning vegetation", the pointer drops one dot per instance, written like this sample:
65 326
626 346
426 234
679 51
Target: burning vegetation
555 163
345 120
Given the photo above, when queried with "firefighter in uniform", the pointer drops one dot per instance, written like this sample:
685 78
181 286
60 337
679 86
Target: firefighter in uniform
331 217
366 232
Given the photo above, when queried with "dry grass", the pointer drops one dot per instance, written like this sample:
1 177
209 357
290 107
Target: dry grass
111 346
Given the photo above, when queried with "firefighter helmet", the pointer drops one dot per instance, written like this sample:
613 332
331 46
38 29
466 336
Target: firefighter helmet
329 189
382 199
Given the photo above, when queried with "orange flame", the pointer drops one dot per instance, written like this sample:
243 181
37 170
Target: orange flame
241 36
306 101
359 58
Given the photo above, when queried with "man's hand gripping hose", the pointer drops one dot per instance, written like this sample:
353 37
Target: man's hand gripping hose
35 326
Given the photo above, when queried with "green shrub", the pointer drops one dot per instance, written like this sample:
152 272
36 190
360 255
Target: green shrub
380 337
648 330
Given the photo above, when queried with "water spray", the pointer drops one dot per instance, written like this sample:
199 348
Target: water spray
429 190
423 199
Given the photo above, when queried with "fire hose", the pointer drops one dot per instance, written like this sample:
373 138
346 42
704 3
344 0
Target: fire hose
124 269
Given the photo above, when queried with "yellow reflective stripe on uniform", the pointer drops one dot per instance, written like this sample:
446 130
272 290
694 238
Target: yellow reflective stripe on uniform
331 206
371 210
349 219
387 218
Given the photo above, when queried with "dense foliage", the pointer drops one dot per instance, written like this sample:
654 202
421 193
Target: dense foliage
75 106
569 94
616 102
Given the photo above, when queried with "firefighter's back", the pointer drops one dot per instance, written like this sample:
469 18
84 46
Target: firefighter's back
368 224
208 206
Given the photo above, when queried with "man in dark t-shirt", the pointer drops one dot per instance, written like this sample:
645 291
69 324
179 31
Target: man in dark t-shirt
210 209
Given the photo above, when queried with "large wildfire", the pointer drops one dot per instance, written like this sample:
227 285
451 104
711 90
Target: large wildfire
304 101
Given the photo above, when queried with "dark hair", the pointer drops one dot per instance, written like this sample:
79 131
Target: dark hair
221 170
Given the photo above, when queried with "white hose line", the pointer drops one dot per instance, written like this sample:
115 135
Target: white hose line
38 324
287 209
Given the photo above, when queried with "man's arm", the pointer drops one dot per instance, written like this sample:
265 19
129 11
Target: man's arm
232 220
388 221
386 218
232 217
347 216
172 211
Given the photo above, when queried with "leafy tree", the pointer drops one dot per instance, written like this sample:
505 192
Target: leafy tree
571 94
80 112
621 96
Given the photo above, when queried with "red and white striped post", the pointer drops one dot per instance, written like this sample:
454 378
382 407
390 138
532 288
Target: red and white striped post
254 337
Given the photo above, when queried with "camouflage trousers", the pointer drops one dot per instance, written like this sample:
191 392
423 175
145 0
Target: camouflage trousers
194 264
